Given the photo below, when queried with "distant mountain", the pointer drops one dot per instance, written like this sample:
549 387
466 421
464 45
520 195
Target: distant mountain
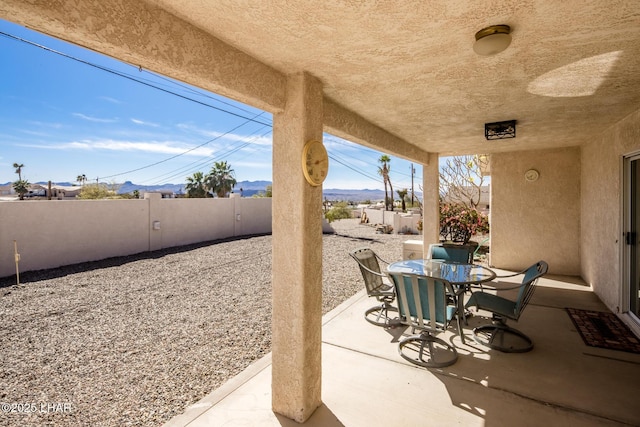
249 188
130 187
353 195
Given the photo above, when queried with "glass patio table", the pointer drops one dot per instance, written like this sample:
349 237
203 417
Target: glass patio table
460 275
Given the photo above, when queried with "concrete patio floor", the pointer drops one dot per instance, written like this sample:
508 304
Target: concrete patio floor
561 381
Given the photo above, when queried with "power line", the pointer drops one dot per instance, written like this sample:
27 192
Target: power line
177 155
202 162
333 157
154 85
126 76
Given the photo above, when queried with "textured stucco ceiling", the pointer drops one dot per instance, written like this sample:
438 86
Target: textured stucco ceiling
573 68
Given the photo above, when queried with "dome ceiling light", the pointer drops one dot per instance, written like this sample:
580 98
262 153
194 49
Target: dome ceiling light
492 40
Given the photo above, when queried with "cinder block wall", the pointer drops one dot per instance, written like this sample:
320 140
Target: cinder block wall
52 233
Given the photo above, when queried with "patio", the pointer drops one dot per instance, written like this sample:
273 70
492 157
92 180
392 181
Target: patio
403 78
365 382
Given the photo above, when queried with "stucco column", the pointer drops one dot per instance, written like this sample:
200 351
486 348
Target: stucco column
297 255
431 202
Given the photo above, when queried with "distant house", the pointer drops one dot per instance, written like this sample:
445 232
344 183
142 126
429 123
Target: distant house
36 190
65 191
7 190
58 192
166 194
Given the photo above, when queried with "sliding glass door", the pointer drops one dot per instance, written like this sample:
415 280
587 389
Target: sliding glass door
631 293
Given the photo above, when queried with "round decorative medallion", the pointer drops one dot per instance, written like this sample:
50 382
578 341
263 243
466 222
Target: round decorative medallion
531 175
315 162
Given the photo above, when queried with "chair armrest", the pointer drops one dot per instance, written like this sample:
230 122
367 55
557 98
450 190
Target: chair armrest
513 274
372 272
383 261
495 288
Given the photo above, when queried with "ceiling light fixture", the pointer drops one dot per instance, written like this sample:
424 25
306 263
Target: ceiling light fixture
500 130
492 40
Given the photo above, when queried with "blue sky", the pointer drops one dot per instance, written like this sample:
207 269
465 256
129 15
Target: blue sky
62 118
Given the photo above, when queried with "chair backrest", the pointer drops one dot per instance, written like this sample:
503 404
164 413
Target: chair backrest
422 301
454 253
370 268
531 276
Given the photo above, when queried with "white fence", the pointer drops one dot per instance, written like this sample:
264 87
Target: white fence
406 223
52 233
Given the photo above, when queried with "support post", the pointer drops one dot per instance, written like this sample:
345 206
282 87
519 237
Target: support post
431 202
297 255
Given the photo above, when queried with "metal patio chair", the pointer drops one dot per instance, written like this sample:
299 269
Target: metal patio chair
425 305
376 285
454 253
498 335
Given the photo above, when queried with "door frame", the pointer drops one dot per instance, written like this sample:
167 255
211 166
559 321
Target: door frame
625 272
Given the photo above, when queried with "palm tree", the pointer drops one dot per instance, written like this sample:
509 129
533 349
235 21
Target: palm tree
221 179
383 171
18 168
195 186
81 179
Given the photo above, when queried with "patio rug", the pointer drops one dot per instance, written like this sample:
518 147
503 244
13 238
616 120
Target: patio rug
604 329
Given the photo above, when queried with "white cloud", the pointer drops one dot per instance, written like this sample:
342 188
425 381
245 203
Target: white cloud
165 147
111 100
93 119
253 165
232 137
142 122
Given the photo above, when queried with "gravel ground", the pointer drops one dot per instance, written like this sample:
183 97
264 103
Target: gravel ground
135 340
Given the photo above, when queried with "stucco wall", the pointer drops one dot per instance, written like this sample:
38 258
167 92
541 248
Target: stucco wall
538 220
51 233
602 207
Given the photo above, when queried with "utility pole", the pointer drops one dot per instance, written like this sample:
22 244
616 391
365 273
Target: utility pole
412 172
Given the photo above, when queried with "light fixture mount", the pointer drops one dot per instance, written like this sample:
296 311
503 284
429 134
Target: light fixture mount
493 39
500 130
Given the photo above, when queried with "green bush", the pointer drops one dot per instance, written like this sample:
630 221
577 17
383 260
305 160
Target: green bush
97 191
338 211
458 222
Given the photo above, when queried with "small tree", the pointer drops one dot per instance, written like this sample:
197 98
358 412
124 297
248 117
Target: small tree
461 180
21 187
339 210
97 191
268 192
81 179
403 197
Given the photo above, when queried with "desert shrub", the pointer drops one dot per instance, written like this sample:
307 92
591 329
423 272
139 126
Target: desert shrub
339 211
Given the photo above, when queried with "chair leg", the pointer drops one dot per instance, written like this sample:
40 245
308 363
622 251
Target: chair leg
428 351
460 327
499 336
379 315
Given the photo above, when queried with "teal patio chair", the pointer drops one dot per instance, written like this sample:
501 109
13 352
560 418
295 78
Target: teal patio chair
377 286
424 304
498 335
453 253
